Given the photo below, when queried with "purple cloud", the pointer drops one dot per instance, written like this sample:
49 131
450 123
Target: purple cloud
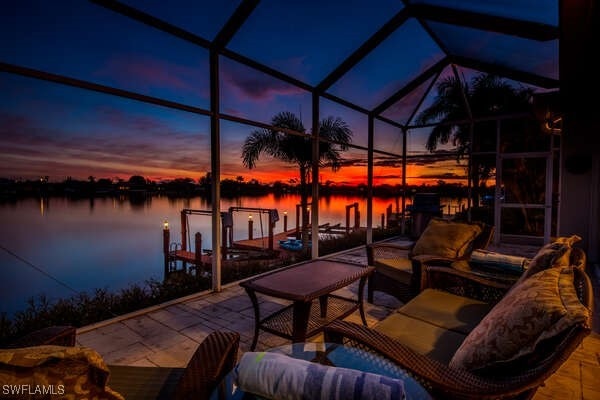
111 143
145 72
254 85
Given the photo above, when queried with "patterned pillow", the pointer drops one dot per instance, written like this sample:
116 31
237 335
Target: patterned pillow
550 255
446 238
278 376
541 307
62 371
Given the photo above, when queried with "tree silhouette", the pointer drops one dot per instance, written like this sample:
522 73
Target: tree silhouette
487 95
297 149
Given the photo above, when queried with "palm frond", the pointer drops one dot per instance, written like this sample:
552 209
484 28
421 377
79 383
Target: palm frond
487 94
448 103
336 130
259 141
288 120
297 149
439 134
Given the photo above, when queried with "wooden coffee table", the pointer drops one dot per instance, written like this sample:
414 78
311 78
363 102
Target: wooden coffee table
301 285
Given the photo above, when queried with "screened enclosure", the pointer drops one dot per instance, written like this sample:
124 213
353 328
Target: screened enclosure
413 81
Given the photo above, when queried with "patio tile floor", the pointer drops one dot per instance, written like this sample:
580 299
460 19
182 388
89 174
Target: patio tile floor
168 336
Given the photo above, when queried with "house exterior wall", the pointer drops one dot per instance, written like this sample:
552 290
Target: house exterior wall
580 188
580 86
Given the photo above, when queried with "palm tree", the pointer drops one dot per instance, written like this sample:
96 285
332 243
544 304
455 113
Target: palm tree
487 95
297 149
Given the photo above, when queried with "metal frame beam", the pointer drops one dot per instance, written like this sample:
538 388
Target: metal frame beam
510 73
215 167
314 204
234 23
508 26
475 119
265 69
434 69
150 20
420 102
383 33
390 121
68 81
344 103
370 160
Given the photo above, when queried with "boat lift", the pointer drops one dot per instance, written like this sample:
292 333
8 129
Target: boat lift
198 258
174 252
272 218
327 228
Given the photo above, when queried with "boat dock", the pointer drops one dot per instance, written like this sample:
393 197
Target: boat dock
275 246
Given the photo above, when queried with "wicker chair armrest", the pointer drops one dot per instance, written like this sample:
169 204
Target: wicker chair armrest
578 258
386 250
419 262
439 379
52 335
215 357
464 283
431 260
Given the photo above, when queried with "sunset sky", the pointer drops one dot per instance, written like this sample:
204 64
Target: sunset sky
59 131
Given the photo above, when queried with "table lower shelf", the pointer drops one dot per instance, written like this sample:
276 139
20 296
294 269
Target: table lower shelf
280 322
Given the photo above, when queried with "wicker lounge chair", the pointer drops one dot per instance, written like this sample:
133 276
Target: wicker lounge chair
213 359
398 268
402 339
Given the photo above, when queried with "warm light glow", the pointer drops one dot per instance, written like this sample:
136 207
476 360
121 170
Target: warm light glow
250 217
166 225
553 124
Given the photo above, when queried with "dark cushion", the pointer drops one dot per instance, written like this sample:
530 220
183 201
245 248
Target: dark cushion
398 269
421 336
446 310
450 239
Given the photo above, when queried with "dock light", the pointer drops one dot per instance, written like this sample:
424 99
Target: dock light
250 227
166 225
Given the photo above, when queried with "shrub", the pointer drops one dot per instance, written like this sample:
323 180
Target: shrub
83 308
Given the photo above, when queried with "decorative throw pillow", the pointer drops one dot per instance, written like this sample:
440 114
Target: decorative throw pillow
497 261
550 255
278 376
56 372
444 238
541 307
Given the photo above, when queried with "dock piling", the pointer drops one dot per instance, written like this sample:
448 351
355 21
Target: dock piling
198 248
166 240
250 227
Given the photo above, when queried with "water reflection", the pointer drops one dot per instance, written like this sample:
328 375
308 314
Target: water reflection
111 242
44 203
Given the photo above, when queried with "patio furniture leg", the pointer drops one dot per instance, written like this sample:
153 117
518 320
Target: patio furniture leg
300 320
254 301
323 305
361 289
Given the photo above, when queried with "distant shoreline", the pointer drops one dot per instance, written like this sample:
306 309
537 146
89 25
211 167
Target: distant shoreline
186 188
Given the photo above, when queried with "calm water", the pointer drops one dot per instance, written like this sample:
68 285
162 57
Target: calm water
111 243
